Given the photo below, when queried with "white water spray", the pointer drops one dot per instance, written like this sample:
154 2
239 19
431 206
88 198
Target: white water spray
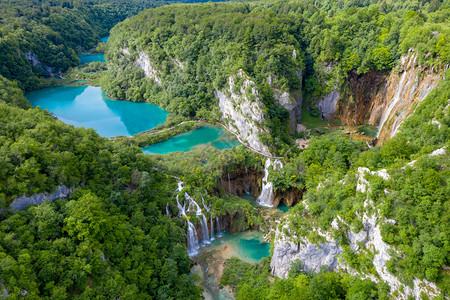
266 196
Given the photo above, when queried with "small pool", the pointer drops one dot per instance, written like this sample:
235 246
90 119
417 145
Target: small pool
369 130
248 246
215 136
86 58
104 39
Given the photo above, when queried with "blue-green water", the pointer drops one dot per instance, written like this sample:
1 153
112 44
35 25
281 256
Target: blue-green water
104 39
283 207
248 246
88 106
218 137
86 58
369 130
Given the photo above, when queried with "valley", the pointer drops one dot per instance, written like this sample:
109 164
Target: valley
224 150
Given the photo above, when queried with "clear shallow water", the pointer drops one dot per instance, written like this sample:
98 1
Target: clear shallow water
218 137
104 39
248 246
86 58
369 130
89 107
283 207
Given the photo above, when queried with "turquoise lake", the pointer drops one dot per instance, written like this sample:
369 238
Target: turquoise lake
217 137
89 107
248 246
104 39
86 58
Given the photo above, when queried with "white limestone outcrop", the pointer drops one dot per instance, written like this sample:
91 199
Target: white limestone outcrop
143 62
328 253
242 111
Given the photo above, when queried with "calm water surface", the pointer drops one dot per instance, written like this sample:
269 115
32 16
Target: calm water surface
217 136
248 246
86 58
104 39
89 107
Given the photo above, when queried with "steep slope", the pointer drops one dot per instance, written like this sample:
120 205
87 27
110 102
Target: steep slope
381 99
387 224
183 58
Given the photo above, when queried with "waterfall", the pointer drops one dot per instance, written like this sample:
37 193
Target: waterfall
218 227
205 233
192 239
201 216
181 209
266 196
180 186
392 103
229 184
167 209
212 228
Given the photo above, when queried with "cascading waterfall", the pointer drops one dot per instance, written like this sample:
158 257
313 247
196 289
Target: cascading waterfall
392 103
205 233
192 239
212 228
266 196
218 227
167 209
201 216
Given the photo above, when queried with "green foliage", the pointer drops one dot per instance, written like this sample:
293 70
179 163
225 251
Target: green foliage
55 31
109 239
251 281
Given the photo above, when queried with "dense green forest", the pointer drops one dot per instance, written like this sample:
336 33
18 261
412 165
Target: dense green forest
55 31
112 239
109 239
195 49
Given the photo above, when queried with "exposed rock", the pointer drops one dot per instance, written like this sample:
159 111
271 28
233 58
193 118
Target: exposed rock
327 105
292 101
311 255
242 111
23 202
144 63
242 181
301 128
33 58
289 197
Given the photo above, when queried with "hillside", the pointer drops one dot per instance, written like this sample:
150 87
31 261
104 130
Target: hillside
345 215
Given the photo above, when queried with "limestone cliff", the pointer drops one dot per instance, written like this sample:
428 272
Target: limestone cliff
33 58
143 62
291 100
381 99
328 252
23 202
242 111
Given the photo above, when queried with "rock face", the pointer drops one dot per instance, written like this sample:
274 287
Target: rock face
243 181
286 250
33 58
381 99
289 197
311 255
327 105
292 101
242 111
23 202
143 62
